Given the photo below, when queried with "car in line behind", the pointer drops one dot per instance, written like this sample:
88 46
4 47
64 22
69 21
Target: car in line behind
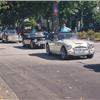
10 35
1 31
34 39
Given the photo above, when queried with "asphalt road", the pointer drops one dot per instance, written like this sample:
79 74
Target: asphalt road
32 75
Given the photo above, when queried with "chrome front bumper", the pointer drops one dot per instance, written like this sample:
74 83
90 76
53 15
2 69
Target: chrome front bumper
39 43
80 52
14 38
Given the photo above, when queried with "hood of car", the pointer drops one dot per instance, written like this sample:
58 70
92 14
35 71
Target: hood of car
76 42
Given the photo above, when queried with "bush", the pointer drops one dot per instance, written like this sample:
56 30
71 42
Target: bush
97 36
90 35
82 35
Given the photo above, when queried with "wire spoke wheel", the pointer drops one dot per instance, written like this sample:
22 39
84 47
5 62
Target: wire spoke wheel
90 56
48 50
24 43
32 44
64 53
4 38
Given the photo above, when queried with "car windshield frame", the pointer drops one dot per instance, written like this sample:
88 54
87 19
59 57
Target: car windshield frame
35 33
11 31
69 35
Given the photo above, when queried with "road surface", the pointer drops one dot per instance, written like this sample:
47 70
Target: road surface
32 75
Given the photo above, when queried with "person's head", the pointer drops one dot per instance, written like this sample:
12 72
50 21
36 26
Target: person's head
64 24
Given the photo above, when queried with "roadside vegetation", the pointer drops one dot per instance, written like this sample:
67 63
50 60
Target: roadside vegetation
91 35
82 15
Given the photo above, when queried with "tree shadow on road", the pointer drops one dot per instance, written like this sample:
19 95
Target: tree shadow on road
22 47
45 56
25 48
53 57
94 67
7 42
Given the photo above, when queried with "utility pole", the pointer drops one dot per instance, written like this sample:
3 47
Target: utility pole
98 5
82 15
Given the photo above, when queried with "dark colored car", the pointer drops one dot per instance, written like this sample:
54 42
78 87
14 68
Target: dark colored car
1 32
34 39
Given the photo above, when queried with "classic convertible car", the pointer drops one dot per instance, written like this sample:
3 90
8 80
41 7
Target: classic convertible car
66 45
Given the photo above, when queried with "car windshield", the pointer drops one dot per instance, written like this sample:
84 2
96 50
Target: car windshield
36 33
67 36
11 31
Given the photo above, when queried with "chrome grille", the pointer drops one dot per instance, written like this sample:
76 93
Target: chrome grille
81 47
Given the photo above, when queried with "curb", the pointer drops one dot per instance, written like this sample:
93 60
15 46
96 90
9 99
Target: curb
6 92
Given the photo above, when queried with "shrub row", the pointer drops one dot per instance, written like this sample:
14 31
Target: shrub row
91 35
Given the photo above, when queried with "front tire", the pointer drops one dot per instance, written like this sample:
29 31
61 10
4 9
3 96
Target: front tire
32 44
4 38
90 56
42 46
23 42
64 54
48 50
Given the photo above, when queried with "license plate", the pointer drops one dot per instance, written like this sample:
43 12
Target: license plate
80 51
42 42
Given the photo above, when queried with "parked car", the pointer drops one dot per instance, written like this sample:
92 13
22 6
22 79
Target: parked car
1 31
10 35
34 39
66 45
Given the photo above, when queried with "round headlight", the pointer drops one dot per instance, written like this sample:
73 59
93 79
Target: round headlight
35 40
90 46
69 47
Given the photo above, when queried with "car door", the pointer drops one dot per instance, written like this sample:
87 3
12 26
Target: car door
51 46
51 42
57 44
54 45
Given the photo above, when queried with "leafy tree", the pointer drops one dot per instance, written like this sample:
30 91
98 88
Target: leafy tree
14 12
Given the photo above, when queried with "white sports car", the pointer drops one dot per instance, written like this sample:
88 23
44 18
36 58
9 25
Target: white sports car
66 45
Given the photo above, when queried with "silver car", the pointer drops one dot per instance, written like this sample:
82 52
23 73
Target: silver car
66 45
10 35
